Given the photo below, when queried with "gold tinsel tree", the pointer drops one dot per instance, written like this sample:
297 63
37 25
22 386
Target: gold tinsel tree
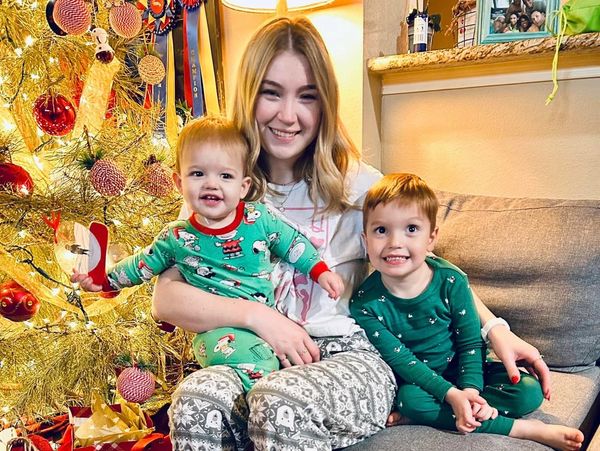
68 348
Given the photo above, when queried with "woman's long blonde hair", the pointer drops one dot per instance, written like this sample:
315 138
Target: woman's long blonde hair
325 163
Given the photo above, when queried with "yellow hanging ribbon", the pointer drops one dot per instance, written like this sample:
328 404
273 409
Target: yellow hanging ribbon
207 66
562 28
94 98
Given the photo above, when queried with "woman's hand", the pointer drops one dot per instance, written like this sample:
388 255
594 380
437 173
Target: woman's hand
291 343
514 352
195 310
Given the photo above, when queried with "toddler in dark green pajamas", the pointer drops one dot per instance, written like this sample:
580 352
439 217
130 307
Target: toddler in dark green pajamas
418 311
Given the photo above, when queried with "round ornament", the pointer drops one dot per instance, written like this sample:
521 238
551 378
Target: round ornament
157 179
54 114
73 16
15 178
16 303
125 20
51 23
135 384
151 69
107 178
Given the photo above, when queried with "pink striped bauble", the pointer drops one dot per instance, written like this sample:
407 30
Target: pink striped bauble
125 20
73 16
135 385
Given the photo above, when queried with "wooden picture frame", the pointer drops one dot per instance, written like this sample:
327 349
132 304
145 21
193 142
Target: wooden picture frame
513 20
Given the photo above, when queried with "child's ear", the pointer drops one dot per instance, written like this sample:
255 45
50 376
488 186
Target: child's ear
433 239
246 183
177 180
363 240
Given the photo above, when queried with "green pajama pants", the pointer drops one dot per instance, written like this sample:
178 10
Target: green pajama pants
512 401
249 355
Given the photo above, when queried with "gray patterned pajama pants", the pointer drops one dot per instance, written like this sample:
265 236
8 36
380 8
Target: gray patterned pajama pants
330 404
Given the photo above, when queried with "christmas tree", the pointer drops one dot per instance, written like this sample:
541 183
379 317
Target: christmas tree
86 134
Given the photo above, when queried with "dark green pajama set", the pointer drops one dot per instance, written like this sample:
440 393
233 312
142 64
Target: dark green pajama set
432 343
232 261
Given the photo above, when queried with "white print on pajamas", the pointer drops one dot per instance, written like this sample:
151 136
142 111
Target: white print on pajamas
223 345
285 417
146 273
213 419
189 239
296 250
261 246
251 215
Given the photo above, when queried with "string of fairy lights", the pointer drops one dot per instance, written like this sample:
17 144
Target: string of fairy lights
66 349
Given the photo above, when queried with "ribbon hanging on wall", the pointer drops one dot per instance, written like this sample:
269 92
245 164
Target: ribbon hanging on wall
192 71
159 17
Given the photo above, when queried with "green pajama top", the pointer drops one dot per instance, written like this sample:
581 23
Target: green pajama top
432 340
233 261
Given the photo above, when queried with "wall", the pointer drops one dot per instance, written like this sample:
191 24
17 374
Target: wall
341 27
495 140
498 140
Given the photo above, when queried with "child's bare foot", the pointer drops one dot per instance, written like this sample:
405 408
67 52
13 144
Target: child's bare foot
395 419
558 437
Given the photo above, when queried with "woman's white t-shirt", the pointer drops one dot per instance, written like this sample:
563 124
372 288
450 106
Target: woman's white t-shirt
338 239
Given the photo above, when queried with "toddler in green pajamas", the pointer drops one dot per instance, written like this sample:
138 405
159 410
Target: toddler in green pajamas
418 311
225 246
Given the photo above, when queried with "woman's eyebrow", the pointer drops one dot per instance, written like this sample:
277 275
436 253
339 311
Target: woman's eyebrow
278 85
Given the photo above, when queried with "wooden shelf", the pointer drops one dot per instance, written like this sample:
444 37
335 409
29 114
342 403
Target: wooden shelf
526 61
583 45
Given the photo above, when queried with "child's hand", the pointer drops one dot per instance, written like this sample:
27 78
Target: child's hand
332 283
461 401
482 411
85 282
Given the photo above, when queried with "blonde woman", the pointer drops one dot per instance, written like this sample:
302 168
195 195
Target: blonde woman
334 389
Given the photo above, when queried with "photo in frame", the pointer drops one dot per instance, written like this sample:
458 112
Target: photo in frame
513 20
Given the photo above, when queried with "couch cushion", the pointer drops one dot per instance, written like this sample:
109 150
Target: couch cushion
571 401
536 263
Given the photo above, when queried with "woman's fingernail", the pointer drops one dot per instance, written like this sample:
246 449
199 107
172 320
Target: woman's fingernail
514 379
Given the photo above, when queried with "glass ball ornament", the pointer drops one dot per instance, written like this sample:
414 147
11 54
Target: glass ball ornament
16 303
16 179
54 114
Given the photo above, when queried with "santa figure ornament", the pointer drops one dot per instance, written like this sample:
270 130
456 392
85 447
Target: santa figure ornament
83 249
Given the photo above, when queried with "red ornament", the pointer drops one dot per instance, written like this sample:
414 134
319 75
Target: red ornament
135 384
72 16
112 103
54 114
16 303
15 178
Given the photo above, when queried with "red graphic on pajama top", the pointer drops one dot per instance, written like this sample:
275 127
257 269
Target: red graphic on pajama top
231 247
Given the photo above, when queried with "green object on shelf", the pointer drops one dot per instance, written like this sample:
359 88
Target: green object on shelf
581 16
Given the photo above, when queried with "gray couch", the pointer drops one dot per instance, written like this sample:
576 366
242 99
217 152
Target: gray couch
536 263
